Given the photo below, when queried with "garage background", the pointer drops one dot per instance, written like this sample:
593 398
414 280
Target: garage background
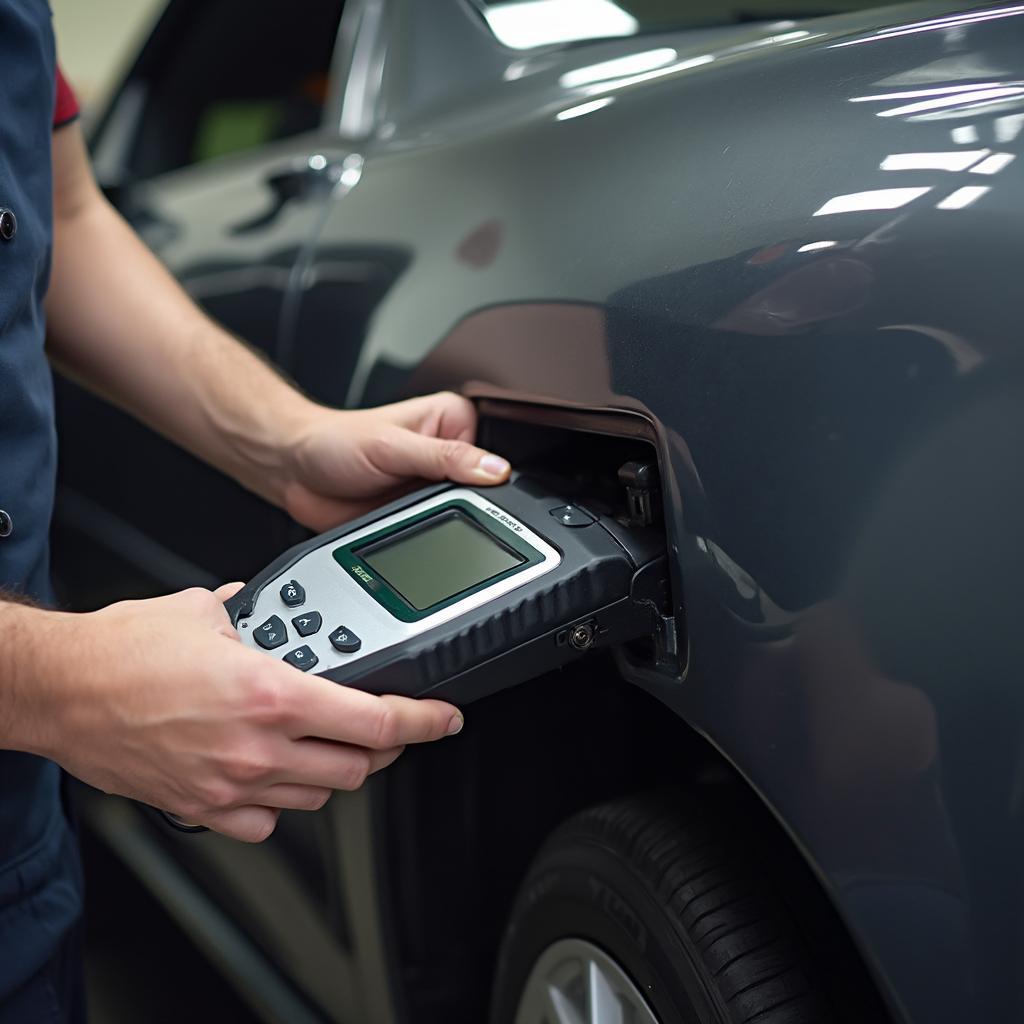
96 37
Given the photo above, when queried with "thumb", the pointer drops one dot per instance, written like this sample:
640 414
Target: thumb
227 590
408 454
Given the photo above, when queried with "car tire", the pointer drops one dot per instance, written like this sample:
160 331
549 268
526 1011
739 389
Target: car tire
658 908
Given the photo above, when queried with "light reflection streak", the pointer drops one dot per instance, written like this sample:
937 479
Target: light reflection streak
994 164
524 24
634 63
958 99
874 199
780 39
953 21
964 134
583 108
957 160
784 37
963 197
938 91
1008 127
647 76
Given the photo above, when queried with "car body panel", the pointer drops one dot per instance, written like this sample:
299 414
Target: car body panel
769 253
838 422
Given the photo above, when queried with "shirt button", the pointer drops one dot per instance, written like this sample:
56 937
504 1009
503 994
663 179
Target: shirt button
6 524
8 224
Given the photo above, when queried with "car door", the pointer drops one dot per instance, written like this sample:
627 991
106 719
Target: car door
221 148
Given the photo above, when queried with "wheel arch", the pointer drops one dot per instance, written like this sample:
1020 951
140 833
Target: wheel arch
460 822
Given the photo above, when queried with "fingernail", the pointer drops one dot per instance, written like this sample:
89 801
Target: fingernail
493 465
456 724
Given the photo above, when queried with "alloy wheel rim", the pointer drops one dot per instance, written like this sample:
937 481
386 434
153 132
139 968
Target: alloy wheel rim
575 982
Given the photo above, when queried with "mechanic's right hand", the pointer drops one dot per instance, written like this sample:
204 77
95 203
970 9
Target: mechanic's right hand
163 704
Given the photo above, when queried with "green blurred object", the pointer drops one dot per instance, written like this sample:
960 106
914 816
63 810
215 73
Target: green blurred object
234 126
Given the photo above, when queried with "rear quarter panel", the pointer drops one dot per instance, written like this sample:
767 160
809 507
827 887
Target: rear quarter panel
841 424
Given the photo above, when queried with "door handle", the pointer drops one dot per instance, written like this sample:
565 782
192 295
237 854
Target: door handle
314 177
298 182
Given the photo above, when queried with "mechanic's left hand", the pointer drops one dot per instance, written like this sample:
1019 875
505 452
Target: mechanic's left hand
346 462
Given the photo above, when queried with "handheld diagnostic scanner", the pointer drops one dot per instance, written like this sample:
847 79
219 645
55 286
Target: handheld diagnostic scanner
455 592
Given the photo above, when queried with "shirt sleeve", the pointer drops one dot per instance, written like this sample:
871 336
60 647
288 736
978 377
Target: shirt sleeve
65 107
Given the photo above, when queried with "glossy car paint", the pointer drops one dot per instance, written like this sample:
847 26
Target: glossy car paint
797 253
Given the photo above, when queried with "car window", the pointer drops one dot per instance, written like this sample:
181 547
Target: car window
523 24
235 75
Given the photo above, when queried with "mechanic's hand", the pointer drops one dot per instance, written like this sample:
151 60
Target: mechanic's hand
346 462
162 703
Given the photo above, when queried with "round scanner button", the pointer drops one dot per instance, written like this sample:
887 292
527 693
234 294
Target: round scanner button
344 640
308 623
302 658
271 633
571 515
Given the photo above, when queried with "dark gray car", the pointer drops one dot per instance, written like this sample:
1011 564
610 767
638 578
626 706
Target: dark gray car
775 255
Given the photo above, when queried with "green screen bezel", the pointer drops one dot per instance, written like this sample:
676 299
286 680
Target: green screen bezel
347 556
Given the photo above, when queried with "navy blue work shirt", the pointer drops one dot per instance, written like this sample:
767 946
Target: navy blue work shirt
40 889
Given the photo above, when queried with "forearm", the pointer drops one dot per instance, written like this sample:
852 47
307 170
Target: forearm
31 640
122 326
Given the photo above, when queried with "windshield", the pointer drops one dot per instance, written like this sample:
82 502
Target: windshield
524 24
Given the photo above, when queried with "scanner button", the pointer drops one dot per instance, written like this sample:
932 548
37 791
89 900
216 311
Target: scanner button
307 623
293 594
345 640
302 657
271 634
570 515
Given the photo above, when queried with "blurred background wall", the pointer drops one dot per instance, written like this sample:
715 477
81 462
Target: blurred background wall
96 37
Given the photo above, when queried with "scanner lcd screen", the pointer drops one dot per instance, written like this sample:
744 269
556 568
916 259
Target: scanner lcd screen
439 559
